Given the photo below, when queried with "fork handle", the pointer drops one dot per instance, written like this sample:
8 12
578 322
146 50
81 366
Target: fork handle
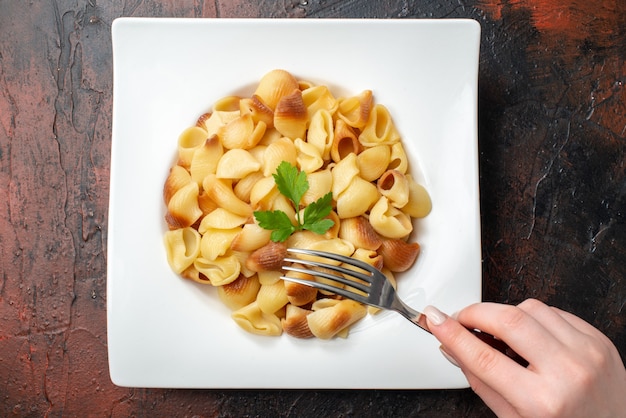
419 319
499 345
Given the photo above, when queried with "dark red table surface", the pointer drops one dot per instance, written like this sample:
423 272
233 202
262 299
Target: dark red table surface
552 139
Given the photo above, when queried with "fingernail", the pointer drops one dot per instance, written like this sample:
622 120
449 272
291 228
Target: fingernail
434 315
448 356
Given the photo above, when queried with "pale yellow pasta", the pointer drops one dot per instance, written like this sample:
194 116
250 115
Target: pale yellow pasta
263 193
243 188
272 297
277 152
419 204
320 183
221 218
252 319
317 98
183 208
216 242
356 199
221 271
379 129
240 292
205 159
221 192
398 159
188 142
326 323
343 174
250 238
348 147
236 164
394 186
308 157
355 110
321 132
373 162
290 115
182 247
176 179
218 119
389 221
237 133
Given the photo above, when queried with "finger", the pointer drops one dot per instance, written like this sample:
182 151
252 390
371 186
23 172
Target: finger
550 318
523 333
476 358
492 398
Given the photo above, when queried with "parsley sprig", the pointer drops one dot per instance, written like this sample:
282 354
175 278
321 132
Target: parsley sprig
293 184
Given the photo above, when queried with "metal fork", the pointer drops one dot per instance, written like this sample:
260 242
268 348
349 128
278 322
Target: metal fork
371 287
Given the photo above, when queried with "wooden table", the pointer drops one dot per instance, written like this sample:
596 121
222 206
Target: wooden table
552 134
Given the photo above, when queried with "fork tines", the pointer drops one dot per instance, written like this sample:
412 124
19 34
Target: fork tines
327 273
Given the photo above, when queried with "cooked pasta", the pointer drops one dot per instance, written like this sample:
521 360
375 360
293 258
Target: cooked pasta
348 148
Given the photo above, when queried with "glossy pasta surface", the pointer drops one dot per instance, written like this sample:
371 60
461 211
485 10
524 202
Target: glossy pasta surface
347 146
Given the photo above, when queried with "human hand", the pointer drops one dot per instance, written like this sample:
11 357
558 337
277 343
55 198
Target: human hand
574 370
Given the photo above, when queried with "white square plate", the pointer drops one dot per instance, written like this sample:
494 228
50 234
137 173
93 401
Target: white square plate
164 331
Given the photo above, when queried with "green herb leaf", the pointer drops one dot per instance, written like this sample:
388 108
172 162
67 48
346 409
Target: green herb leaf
278 222
318 210
291 182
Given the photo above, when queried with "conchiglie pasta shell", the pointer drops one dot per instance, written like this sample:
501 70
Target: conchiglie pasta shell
343 174
267 277
243 188
277 152
344 142
334 245
398 159
357 198
240 292
326 323
389 221
222 193
290 116
183 209
268 257
355 111
176 179
216 242
317 98
419 204
272 297
250 238
236 164
192 273
205 203
370 257
237 133
189 141
182 247
380 129
303 239
259 111
333 231
321 132
399 255
299 294
320 183
373 162
274 85
263 193
255 321
359 232
200 122
221 271
227 104
395 186
219 119
221 218
308 157
295 323
206 158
